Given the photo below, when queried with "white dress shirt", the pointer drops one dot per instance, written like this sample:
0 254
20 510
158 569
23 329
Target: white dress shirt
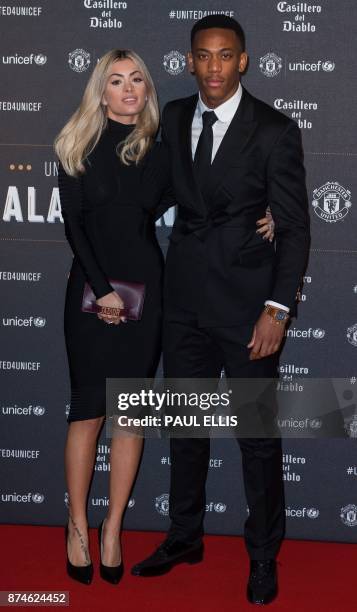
225 113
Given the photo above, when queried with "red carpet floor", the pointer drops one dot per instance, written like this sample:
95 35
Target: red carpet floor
313 576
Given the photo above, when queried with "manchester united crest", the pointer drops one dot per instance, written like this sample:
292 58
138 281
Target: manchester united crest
352 335
270 64
79 60
352 427
174 62
348 515
331 202
162 504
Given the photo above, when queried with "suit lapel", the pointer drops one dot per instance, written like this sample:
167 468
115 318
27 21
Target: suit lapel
238 135
186 154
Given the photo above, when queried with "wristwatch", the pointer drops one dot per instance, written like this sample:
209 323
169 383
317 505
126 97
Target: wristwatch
277 314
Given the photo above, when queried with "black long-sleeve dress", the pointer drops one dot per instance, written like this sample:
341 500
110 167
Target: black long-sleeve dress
109 217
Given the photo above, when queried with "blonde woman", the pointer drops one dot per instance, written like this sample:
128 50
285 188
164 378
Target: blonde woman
111 178
108 197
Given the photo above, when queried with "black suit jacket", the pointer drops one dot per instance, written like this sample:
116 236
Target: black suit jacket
217 266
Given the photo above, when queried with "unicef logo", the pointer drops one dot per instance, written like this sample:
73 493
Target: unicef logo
318 333
270 64
131 503
220 507
162 504
38 498
67 409
39 321
328 66
348 515
66 499
352 335
79 60
331 202
39 410
174 62
312 513
315 423
40 59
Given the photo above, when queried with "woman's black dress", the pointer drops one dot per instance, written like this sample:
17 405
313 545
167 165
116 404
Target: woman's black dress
109 217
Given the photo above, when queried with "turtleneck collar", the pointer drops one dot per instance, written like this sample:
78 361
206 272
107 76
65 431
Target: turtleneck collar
120 128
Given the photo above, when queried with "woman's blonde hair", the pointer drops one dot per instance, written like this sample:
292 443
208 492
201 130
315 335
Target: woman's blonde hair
81 133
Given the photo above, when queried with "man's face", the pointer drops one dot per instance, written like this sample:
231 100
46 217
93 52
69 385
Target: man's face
217 60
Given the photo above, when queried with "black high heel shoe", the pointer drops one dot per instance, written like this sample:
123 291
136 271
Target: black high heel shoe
112 574
81 573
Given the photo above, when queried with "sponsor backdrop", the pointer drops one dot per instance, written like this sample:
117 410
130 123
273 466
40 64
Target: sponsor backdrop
300 64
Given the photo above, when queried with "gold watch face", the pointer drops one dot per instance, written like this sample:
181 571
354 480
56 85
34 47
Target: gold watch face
281 315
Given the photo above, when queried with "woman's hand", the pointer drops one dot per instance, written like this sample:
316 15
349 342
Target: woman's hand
266 226
111 300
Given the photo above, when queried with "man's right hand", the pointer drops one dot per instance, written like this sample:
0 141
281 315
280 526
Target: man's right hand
111 300
267 337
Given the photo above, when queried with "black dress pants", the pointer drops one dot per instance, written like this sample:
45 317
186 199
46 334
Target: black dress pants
190 351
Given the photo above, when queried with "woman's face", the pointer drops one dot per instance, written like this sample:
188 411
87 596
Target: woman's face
125 93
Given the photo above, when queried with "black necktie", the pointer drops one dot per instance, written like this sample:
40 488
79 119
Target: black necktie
203 154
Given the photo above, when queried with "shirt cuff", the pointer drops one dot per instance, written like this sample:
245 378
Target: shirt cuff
277 305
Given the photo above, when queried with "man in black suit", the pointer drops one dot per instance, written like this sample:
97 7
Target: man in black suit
228 293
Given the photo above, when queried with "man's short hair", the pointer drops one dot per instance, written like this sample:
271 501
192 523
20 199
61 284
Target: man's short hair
219 21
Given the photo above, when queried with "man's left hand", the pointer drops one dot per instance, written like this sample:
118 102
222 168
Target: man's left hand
267 337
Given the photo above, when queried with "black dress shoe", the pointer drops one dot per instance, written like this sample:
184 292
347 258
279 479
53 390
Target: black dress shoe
81 573
262 585
110 573
170 553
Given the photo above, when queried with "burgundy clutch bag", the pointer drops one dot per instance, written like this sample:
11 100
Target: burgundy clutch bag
132 294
